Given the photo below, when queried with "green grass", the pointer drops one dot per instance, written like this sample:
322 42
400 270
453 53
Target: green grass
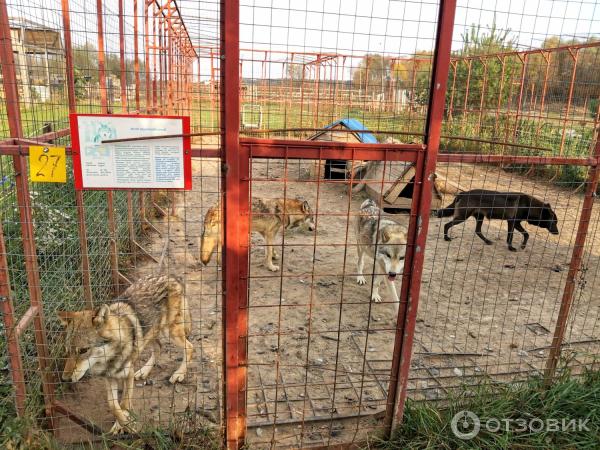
187 433
34 118
427 426
22 434
545 133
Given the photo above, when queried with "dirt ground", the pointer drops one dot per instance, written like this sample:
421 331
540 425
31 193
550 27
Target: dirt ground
319 352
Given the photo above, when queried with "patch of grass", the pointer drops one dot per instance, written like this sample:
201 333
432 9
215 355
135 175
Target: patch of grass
187 431
185 434
36 115
426 426
21 434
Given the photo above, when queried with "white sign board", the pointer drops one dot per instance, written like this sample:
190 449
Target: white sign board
139 164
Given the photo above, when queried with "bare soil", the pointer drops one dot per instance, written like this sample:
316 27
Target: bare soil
319 352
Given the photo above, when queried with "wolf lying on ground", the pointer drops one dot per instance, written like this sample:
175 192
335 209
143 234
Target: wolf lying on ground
384 240
107 341
269 216
513 207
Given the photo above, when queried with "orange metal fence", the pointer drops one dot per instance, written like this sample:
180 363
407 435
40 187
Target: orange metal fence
293 353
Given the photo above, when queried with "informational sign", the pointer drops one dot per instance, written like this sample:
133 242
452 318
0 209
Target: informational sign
163 163
47 164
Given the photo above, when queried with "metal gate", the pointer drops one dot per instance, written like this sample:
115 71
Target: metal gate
307 360
241 154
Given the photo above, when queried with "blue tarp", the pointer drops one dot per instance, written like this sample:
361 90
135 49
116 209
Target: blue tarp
354 124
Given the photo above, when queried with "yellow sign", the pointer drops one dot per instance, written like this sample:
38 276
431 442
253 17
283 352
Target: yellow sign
47 164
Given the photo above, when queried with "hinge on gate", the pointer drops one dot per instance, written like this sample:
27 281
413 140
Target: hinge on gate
224 168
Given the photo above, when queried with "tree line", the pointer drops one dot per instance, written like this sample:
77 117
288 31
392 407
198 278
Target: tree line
85 66
492 81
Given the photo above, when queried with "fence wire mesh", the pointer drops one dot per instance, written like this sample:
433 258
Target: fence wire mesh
330 105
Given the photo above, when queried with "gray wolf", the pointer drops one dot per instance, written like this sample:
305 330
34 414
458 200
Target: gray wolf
384 240
107 341
269 216
514 207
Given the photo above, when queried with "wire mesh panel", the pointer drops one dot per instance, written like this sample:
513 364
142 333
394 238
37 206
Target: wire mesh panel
486 311
105 57
320 351
308 65
520 84
525 77
580 346
323 136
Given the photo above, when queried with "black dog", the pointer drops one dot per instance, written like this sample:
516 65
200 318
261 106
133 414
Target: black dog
510 206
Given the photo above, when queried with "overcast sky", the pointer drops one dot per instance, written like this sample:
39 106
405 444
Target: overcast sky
395 28
351 27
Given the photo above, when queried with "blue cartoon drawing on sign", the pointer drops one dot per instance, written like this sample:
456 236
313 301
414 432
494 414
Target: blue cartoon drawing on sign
95 134
103 133
97 151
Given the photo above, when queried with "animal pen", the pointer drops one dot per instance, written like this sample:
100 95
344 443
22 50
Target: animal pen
300 357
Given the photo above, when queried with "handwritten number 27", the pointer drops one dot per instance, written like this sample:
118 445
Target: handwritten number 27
46 159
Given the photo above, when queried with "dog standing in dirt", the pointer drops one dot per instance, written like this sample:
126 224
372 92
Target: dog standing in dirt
384 240
269 216
514 207
107 341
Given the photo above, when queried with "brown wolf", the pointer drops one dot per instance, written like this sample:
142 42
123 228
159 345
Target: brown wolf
268 217
107 341
384 240
513 207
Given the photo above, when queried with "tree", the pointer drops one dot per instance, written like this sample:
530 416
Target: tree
373 73
488 80
401 71
294 71
560 71
485 75
85 60
415 76
79 83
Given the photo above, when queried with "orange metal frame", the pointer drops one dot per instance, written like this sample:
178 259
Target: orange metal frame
169 58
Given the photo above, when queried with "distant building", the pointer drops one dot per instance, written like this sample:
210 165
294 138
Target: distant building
39 60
